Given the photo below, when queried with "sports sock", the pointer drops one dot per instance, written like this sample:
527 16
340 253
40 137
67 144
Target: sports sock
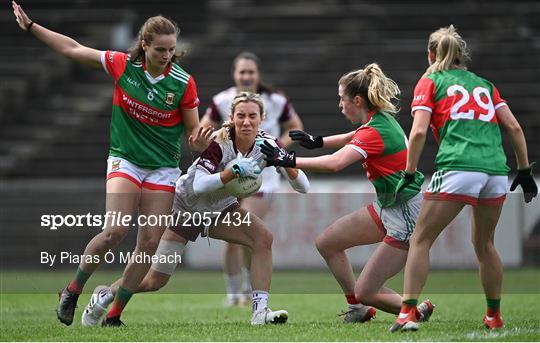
77 284
352 301
493 306
260 300
120 301
233 283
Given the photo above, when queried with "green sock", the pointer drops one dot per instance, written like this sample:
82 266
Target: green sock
412 302
76 285
120 301
493 305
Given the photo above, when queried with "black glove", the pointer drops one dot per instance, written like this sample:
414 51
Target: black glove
526 180
279 157
306 140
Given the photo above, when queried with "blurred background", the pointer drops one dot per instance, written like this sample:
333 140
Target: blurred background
54 114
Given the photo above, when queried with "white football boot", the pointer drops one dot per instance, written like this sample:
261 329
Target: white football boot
267 316
97 307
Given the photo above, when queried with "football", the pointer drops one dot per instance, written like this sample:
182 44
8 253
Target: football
242 187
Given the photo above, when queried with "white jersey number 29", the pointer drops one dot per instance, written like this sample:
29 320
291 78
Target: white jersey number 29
455 113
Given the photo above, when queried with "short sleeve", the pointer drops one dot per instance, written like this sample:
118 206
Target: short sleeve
190 99
498 102
367 141
424 94
210 158
114 63
213 113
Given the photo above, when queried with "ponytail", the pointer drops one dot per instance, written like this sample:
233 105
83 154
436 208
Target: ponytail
449 48
374 86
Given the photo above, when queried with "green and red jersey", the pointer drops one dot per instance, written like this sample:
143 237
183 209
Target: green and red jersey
383 144
463 120
146 123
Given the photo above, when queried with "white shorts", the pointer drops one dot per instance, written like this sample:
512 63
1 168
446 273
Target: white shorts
473 188
162 179
397 222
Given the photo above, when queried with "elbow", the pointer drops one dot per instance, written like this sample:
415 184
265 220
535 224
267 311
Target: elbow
336 165
515 130
418 134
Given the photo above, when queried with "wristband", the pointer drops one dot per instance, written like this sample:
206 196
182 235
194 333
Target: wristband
29 26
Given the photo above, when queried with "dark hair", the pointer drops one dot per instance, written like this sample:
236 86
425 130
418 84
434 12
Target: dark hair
246 55
158 25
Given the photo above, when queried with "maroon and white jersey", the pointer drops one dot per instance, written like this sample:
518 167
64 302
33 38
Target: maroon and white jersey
278 110
214 160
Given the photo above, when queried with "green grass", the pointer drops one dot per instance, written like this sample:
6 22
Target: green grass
188 316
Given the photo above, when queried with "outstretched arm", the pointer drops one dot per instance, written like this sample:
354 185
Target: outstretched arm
330 163
56 41
337 141
313 142
276 156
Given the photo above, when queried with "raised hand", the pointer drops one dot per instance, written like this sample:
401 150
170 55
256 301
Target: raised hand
306 140
279 157
202 139
21 17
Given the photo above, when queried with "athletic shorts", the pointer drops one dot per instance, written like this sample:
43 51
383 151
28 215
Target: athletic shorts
473 188
163 179
397 222
191 232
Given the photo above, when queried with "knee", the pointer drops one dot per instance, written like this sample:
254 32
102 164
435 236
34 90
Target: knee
323 244
363 294
263 241
112 238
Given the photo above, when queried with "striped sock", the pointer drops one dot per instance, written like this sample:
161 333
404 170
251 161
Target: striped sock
120 301
77 284
493 306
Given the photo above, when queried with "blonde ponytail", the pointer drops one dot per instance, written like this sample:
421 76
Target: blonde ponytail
449 48
374 86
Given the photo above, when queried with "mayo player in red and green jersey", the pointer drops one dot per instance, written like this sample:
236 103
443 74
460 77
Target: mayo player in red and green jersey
465 112
380 144
154 101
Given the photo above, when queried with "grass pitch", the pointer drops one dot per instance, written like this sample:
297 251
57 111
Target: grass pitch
179 312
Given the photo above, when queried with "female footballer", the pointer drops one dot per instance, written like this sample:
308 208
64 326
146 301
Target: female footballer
279 113
201 192
154 102
466 113
380 144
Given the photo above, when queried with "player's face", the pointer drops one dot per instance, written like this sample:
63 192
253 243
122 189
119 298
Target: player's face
246 75
349 107
159 52
246 118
